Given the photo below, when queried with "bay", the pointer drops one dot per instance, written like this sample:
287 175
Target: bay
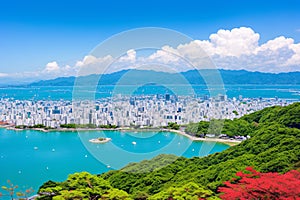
29 158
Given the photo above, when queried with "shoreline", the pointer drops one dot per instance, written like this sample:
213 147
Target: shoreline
194 138
230 142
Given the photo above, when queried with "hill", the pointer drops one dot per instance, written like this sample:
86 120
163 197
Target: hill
273 147
135 77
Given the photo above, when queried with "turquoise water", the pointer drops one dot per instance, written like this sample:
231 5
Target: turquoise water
56 93
29 158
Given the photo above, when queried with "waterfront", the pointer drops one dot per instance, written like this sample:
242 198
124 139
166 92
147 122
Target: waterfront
135 111
28 158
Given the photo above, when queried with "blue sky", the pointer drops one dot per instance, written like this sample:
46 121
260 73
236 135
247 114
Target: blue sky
34 33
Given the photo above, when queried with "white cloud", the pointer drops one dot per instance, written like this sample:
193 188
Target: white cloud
239 49
295 58
235 42
276 44
166 55
129 57
3 75
234 49
86 60
52 67
93 65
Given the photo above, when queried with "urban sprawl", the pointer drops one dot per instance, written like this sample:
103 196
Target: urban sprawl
125 111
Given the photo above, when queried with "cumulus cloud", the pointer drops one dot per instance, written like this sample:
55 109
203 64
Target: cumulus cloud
166 55
239 48
129 57
235 42
234 49
93 65
295 58
52 67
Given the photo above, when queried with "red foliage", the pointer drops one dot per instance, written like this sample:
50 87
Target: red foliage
256 185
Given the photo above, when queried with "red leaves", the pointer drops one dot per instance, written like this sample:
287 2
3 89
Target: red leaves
256 185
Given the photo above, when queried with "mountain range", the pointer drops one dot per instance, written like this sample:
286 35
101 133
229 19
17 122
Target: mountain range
194 77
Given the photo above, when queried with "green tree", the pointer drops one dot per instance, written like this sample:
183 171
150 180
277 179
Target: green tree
115 194
190 191
173 125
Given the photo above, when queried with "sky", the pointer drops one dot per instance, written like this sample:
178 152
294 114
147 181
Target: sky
47 39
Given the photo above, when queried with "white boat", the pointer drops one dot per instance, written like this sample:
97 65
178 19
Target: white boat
134 143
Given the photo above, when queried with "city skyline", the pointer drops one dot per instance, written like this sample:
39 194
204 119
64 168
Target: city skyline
131 111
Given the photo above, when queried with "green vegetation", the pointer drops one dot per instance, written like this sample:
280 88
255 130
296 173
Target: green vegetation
81 186
173 125
229 127
274 146
38 126
188 191
108 126
144 166
235 112
68 125
87 126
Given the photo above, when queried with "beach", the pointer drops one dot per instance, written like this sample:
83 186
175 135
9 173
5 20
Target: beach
194 138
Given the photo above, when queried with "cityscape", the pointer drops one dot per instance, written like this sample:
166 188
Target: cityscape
128 111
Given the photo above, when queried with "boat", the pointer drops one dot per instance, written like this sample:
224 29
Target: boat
134 143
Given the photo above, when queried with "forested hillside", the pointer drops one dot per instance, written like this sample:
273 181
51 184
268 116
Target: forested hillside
274 146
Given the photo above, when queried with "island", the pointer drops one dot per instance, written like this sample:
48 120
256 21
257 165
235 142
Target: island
100 140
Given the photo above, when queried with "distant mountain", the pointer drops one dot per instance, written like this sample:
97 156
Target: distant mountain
13 81
135 77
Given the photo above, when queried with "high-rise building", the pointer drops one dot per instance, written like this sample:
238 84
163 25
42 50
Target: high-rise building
167 97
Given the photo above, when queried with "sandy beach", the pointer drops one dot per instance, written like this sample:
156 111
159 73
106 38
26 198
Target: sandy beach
194 138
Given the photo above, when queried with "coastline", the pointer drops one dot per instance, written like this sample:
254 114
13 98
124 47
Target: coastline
193 138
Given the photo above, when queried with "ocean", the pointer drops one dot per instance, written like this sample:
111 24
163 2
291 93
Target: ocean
29 158
66 92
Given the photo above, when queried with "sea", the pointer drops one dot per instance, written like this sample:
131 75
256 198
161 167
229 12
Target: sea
69 93
29 158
